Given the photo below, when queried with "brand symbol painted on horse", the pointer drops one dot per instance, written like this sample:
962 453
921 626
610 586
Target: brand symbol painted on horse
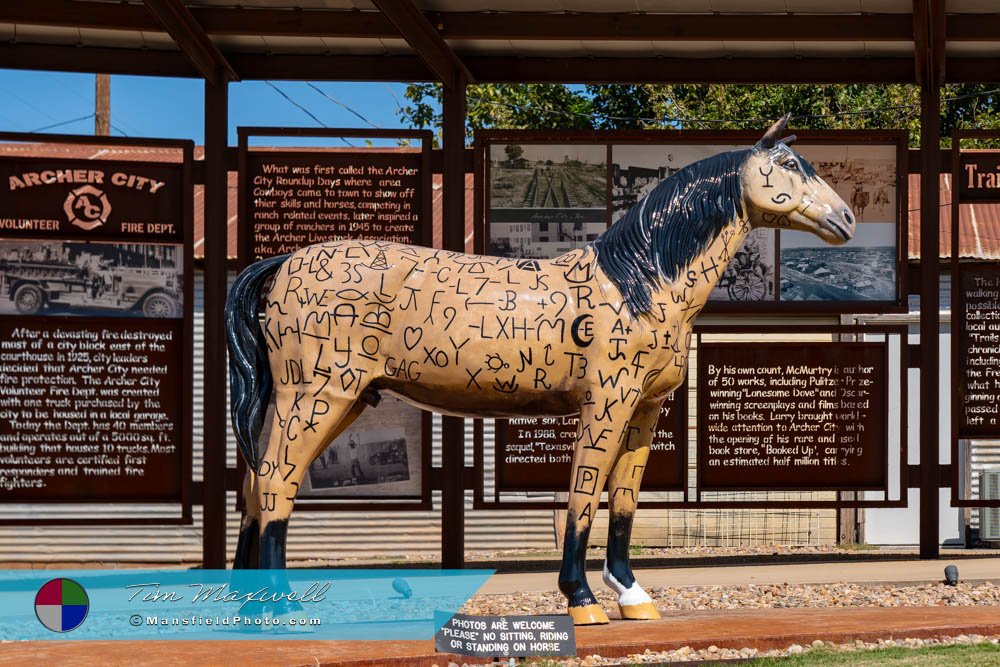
582 331
412 337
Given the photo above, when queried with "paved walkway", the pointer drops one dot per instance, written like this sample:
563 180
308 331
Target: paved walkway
761 629
902 571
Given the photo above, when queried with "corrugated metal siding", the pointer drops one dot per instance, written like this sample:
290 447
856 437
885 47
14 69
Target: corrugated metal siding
984 454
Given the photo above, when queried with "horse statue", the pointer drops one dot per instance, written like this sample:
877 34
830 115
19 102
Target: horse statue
602 332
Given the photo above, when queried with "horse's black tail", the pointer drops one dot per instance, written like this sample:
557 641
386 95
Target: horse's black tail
250 381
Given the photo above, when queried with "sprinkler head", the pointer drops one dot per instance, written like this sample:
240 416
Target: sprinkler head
400 586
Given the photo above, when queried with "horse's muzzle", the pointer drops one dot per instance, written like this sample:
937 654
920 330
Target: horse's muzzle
842 225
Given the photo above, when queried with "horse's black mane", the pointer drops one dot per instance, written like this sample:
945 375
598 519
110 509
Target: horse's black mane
672 225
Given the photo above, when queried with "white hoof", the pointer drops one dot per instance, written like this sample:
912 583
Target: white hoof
627 597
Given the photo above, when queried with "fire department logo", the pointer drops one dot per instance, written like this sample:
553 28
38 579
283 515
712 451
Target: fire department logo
87 207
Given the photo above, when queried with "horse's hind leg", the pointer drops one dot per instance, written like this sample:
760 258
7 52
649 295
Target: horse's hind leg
597 445
623 496
248 546
294 444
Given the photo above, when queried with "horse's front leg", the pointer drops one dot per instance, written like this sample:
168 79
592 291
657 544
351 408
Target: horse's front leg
598 439
623 496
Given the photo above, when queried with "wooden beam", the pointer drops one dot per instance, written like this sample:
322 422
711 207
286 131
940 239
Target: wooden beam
331 68
192 40
453 116
72 14
972 70
498 69
429 46
973 27
920 40
929 17
671 27
491 25
692 70
214 426
295 22
142 62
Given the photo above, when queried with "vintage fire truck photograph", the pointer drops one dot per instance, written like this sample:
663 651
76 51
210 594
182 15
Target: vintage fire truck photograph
75 278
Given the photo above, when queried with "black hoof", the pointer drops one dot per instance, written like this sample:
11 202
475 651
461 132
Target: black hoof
577 593
248 547
272 545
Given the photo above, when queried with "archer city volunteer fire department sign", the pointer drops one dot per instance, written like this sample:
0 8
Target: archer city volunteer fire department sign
95 336
68 196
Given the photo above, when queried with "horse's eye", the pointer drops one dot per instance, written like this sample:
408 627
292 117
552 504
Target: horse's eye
790 165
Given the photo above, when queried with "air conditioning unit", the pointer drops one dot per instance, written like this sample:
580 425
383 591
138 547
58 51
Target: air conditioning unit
989 517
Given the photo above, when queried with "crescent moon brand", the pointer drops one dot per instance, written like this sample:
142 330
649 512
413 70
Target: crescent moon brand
574 330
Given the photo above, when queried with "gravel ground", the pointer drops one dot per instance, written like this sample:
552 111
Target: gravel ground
755 596
714 653
693 552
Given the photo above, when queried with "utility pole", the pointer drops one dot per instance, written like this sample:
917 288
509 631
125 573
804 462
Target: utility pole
102 104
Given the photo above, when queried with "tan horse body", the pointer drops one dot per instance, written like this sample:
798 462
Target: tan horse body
582 334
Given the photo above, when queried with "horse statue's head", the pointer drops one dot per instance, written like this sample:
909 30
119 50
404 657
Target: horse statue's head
782 190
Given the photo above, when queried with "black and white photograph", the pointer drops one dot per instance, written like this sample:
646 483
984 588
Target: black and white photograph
546 199
863 176
863 269
751 273
95 279
379 454
638 168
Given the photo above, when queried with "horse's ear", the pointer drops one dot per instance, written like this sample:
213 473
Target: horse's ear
771 136
789 140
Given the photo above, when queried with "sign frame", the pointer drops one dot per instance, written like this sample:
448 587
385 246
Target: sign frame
484 139
958 308
244 232
185 499
244 250
702 429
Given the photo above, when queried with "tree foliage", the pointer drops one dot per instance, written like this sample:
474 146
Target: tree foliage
689 106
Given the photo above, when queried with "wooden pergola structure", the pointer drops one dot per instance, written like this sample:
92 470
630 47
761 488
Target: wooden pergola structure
458 42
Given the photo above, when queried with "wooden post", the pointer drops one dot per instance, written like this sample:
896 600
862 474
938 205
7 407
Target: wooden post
215 410
102 105
453 235
930 324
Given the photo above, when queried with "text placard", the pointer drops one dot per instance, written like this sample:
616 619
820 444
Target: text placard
792 416
978 320
95 330
90 409
294 199
506 636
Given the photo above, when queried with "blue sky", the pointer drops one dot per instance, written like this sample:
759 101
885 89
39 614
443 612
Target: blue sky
172 108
